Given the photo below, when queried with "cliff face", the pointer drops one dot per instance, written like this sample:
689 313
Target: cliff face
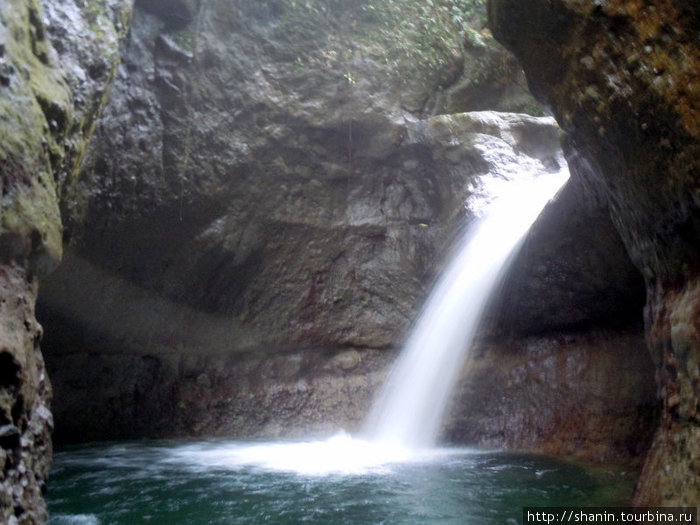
231 145
256 192
260 215
586 394
49 98
253 205
623 79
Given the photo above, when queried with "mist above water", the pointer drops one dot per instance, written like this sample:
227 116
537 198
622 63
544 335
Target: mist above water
394 472
403 424
220 483
341 454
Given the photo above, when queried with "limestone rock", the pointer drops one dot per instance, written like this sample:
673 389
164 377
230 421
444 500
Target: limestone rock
236 136
572 272
366 265
251 194
55 61
623 79
587 394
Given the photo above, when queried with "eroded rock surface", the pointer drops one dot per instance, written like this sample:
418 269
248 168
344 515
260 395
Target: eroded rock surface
56 59
587 394
267 198
263 209
353 280
623 79
571 272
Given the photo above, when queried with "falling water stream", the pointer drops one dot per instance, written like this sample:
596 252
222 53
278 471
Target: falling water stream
411 406
393 473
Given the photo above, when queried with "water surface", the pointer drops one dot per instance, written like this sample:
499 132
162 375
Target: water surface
223 482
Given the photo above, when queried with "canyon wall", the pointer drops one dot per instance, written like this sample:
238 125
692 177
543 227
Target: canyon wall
251 193
623 80
259 217
250 202
50 96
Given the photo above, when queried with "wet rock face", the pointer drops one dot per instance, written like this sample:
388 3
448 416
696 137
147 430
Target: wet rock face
571 272
55 62
254 194
25 394
587 394
299 394
358 284
261 211
671 474
232 145
622 79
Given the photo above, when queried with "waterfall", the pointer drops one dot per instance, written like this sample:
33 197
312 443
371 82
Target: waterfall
405 419
409 410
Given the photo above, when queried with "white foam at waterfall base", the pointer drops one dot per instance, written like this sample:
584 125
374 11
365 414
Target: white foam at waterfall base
74 519
404 421
410 408
341 454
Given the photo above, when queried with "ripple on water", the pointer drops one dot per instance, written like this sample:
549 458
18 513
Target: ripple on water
74 519
223 483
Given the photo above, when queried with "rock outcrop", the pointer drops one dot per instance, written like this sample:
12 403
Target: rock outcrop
260 216
252 191
587 394
623 80
358 285
253 199
55 63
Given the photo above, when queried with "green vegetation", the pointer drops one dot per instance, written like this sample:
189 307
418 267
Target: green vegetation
423 35
94 14
428 33
421 49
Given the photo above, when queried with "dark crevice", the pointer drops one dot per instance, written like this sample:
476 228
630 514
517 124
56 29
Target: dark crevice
9 371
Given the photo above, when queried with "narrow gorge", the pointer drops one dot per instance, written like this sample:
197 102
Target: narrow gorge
220 219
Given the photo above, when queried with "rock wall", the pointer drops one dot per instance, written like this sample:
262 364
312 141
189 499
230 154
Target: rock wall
254 198
259 217
356 287
260 183
623 78
230 142
56 60
571 272
586 394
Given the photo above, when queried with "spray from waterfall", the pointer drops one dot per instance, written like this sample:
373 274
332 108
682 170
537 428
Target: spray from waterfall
411 406
404 422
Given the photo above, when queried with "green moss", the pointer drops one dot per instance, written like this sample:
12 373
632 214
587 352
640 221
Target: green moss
95 15
35 115
430 34
105 37
423 36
